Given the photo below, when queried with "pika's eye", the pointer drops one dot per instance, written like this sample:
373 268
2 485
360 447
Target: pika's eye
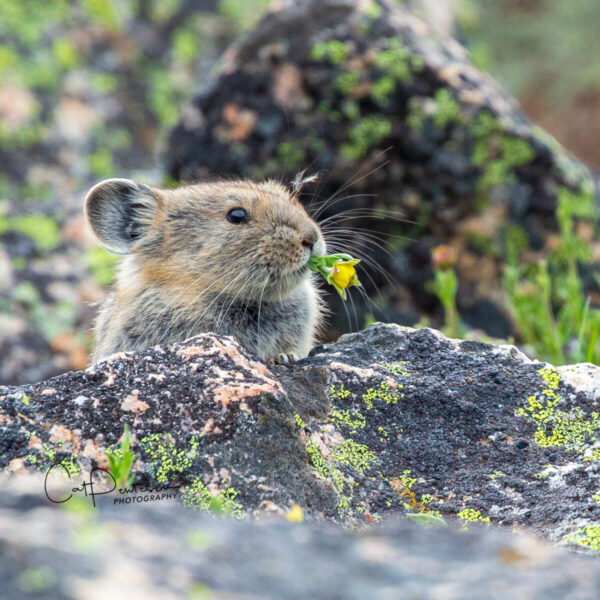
238 216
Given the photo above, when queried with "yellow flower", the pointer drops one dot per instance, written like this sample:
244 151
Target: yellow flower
296 514
338 270
343 275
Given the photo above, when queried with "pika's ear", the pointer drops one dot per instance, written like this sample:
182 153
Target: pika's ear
119 212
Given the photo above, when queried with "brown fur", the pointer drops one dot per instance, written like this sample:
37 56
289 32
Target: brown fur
188 270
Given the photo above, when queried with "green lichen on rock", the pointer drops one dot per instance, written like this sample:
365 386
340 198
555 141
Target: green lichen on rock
545 473
383 392
165 459
397 60
496 153
332 51
364 134
556 427
340 392
356 456
323 467
347 82
471 515
447 108
587 537
396 368
198 497
352 419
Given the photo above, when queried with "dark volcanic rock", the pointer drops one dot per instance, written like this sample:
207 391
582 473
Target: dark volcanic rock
384 421
161 551
398 119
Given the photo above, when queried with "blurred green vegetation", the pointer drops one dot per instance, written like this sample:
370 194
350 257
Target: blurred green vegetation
140 56
547 300
530 43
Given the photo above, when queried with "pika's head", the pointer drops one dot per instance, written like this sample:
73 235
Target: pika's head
235 238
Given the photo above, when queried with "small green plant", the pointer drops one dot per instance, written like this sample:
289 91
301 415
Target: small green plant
547 299
445 286
427 519
121 461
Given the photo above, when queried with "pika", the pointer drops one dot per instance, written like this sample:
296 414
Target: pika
224 257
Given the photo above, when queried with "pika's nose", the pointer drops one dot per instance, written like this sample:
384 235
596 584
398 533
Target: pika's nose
310 239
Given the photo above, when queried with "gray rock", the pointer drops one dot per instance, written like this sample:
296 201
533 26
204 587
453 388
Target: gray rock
389 420
160 550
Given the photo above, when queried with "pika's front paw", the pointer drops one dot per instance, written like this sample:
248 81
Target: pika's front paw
285 358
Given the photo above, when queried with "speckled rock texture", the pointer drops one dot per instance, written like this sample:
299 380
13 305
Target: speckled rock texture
388 420
160 550
394 117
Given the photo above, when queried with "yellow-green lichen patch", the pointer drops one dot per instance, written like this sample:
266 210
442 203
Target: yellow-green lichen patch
495 153
347 454
397 61
383 434
364 134
46 455
323 467
556 427
396 368
587 537
352 419
340 392
496 474
545 473
332 51
165 459
25 400
447 109
198 497
407 480
299 421
595 455
357 456
596 498
403 486
471 515
383 392
71 465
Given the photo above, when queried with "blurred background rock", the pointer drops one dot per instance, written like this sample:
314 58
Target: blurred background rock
91 89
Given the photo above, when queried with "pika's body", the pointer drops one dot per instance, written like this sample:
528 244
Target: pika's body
229 258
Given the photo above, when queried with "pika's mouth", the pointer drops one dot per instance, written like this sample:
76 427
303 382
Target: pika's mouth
286 282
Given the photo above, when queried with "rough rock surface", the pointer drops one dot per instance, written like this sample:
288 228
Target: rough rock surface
383 421
397 118
159 550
